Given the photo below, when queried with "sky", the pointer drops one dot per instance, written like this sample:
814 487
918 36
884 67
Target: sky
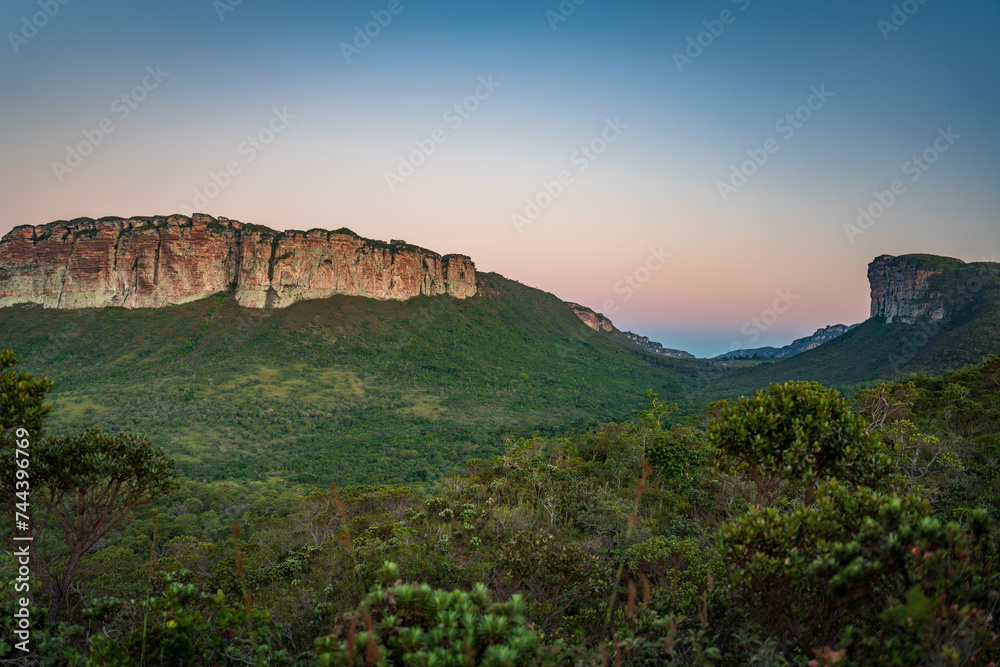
712 174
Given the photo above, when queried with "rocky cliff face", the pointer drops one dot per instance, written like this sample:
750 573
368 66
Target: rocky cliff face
595 321
599 322
152 262
902 288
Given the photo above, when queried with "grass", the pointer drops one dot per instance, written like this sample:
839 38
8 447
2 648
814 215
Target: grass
931 262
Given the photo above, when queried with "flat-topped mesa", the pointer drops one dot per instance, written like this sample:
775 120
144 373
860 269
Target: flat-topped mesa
153 262
903 288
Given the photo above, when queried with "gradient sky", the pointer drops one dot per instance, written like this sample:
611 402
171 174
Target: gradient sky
653 191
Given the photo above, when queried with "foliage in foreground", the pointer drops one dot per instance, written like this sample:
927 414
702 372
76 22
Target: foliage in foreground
637 543
399 624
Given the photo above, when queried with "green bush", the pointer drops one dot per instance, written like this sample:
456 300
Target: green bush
406 624
838 570
794 435
183 627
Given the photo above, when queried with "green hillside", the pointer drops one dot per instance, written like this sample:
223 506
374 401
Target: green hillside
731 555
347 388
358 390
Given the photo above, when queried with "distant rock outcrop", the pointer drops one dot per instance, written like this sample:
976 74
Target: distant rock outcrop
900 287
797 346
153 262
599 322
906 288
595 321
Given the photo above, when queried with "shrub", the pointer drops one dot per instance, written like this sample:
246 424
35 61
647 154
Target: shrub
407 624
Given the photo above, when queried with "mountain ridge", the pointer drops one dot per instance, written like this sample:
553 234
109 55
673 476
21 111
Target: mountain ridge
927 312
797 346
366 390
602 324
151 262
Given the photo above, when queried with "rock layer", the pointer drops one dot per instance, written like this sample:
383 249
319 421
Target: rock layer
902 288
153 262
595 321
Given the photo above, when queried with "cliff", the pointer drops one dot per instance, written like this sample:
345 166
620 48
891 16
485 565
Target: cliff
908 287
599 322
153 262
595 321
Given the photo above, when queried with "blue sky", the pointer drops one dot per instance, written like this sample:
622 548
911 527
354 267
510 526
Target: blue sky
889 91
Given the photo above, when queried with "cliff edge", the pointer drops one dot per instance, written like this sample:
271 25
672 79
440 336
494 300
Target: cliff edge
148 262
906 289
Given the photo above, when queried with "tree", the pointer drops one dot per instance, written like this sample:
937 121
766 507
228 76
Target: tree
22 400
557 575
87 485
795 433
886 403
674 453
319 518
922 462
654 413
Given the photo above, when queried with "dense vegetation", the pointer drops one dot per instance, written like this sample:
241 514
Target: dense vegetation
361 391
503 492
787 528
350 389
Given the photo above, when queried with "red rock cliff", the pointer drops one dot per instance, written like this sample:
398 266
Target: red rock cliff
152 262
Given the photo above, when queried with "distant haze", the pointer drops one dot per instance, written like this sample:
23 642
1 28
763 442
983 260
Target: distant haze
568 152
